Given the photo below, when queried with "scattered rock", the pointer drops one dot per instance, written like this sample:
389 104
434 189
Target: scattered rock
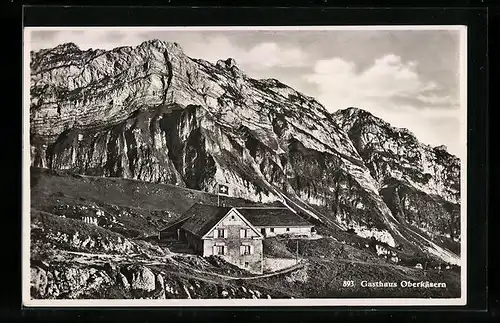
160 287
122 281
111 269
143 278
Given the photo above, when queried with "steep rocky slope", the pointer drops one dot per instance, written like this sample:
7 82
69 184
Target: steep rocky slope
419 183
152 113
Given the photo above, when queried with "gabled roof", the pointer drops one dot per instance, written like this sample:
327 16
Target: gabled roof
179 222
233 211
203 218
272 216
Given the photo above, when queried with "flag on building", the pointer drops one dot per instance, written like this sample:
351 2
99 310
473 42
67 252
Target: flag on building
223 190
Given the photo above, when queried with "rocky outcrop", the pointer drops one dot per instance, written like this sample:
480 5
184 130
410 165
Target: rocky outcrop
420 184
142 278
77 281
52 231
152 113
69 282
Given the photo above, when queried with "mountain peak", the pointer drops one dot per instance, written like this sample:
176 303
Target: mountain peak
70 46
153 42
354 113
161 44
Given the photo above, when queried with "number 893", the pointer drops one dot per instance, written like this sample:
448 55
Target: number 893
348 283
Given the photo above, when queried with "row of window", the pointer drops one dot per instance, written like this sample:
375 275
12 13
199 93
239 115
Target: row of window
222 233
244 233
244 250
272 230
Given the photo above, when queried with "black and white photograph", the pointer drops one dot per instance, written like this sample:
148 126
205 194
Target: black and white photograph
244 166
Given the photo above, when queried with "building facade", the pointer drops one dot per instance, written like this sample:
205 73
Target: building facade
274 230
273 221
235 233
235 240
90 219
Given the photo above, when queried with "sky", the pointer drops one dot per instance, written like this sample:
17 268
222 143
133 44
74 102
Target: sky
409 78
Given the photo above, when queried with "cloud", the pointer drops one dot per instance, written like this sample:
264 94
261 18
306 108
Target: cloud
84 39
258 57
270 55
386 78
393 90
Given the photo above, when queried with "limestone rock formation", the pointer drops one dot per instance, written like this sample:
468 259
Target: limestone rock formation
420 184
152 113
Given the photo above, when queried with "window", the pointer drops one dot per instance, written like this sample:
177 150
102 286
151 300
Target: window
243 233
287 229
272 229
246 263
245 250
232 217
219 250
220 233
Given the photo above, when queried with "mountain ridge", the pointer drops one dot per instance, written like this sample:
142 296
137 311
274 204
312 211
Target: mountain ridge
150 112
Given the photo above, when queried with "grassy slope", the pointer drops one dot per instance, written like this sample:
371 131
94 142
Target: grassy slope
330 263
324 279
50 233
140 208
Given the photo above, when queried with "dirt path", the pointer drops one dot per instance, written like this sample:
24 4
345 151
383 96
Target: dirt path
278 272
368 263
87 258
226 277
103 255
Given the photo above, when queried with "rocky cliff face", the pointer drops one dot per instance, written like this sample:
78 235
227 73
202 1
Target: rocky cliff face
419 183
152 113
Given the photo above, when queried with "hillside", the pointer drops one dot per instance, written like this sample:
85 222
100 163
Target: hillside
131 207
121 258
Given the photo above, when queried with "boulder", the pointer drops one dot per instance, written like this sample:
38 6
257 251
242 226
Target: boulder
122 281
38 282
143 279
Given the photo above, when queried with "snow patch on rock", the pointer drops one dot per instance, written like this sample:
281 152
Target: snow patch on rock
380 235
